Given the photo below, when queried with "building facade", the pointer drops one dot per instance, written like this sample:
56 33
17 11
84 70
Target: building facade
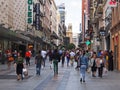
53 23
76 39
115 33
69 33
13 19
61 24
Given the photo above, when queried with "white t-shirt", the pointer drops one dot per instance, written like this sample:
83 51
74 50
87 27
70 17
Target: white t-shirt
43 53
72 54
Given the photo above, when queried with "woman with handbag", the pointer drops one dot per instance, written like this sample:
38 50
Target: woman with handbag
19 66
100 65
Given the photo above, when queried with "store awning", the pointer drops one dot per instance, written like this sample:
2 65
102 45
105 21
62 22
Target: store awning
11 35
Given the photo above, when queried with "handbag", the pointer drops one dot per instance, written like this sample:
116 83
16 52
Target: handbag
10 59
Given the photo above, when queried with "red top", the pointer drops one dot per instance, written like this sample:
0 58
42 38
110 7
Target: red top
28 54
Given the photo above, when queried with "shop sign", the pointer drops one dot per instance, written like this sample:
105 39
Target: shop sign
102 32
112 3
37 22
88 42
30 12
37 17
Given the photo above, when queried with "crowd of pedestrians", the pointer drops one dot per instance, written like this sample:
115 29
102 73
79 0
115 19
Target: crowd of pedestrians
86 61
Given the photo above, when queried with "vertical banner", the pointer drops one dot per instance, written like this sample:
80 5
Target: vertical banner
30 11
37 16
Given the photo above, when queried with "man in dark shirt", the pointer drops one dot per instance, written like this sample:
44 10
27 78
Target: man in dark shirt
56 57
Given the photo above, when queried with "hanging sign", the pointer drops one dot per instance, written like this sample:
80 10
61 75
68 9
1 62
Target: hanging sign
30 12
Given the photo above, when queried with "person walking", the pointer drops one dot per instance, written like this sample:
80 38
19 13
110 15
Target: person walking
19 66
83 66
77 56
9 58
63 58
15 53
100 65
27 57
44 55
67 57
72 57
110 61
38 61
50 54
55 61
93 65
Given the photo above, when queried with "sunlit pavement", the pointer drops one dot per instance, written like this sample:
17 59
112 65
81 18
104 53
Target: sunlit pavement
67 79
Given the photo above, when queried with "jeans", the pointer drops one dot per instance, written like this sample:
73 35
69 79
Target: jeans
82 71
44 61
38 69
68 59
27 60
100 71
55 63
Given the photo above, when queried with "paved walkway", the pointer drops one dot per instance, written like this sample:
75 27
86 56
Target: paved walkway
67 79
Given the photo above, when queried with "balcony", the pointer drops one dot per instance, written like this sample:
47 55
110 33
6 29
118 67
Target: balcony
100 10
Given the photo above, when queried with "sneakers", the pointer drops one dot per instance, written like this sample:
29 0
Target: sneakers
81 80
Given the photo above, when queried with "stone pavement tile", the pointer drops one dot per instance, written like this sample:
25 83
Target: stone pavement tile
25 84
67 79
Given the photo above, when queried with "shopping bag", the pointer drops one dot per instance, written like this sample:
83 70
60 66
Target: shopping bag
25 72
105 71
89 69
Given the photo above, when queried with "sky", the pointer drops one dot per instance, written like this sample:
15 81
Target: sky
73 10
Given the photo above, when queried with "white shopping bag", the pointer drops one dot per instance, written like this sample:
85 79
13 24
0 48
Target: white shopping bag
42 67
105 71
25 71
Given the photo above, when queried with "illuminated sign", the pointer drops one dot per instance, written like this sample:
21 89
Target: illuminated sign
88 42
30 12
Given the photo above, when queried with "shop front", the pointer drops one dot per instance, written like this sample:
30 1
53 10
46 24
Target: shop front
115 46
10 40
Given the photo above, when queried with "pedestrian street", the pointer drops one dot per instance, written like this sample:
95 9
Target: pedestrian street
68 79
